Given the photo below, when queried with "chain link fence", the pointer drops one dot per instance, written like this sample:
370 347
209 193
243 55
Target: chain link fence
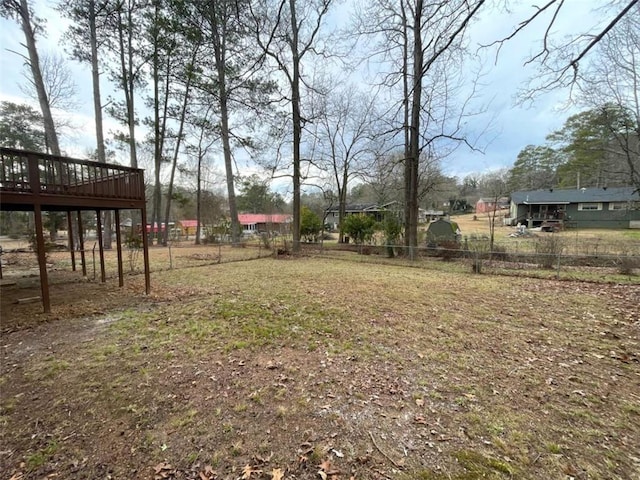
549 258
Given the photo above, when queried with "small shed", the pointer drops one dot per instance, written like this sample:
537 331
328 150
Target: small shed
443 230
187 228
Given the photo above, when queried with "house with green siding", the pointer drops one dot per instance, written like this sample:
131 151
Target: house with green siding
614 207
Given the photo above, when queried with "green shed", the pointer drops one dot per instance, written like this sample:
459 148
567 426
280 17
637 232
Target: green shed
443 230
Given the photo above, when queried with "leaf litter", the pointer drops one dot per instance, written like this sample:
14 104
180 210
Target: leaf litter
400 379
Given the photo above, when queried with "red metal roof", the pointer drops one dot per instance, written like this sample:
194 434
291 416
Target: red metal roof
255 218
188 223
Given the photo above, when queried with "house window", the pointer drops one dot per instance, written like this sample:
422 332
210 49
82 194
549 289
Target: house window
618 205
589 206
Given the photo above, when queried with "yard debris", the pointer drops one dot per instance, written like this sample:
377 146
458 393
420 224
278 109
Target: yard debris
277 474
208 473
22 301
163 470
248 470
327 470
337 453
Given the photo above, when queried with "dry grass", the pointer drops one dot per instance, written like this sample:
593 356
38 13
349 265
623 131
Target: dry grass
357 370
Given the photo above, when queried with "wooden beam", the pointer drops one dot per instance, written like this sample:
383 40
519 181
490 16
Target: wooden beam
70 240
119 248
103 274
145 251
42 259
83 258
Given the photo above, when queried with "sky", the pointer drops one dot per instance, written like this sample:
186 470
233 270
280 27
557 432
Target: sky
506 128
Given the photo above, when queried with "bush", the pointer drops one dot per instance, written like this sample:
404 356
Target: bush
359 227
627 264
266 242
133 242
548 249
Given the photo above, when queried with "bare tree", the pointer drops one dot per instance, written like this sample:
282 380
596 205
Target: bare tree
58 80
21 11
421 41
287 31
494 186
343 132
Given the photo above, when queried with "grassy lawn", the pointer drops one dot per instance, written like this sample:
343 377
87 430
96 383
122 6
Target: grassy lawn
314 368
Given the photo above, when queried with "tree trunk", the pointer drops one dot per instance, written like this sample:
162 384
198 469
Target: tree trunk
297 125
176 151
414 141
127 77
51 137
220 51
198 195
97 108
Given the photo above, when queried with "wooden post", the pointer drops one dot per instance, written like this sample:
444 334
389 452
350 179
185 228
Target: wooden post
81 240
34 183
119 248
103 275
145 251
42 258
70 242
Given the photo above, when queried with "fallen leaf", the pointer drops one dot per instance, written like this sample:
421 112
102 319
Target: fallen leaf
248 470
162 466
421 420
325 466
163 470
266 459
322 475
208 473
277 474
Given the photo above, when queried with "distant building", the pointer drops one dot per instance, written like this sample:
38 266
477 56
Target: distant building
485 205
377 211
614 207
187 228
255 223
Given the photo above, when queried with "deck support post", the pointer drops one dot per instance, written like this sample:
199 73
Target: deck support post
70 240
81 240
103 275
119 248
145 251
42 258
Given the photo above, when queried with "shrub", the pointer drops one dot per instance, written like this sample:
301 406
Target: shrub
266 242
627 264
548 249
133 242
359 227
310 225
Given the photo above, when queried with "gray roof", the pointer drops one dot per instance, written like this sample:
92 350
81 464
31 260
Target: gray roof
363 207
611 194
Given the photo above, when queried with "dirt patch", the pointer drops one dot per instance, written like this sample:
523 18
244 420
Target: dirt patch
257 369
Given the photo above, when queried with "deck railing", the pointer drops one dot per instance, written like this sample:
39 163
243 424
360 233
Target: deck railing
23 172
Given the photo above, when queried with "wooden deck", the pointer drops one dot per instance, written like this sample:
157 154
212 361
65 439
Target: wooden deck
63 184
38 182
